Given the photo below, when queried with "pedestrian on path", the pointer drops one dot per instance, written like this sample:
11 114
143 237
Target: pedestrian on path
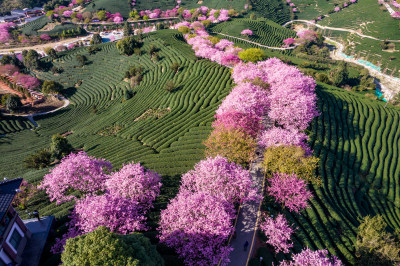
246 244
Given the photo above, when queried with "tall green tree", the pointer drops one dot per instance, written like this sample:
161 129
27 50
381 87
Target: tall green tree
127 45
13 103
375 246
31 59
60 146
127 29
102 247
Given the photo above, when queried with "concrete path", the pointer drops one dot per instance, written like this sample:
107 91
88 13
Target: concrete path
31 116
249 214
337 29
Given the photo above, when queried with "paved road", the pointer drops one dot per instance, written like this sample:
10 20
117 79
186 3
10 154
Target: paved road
248 218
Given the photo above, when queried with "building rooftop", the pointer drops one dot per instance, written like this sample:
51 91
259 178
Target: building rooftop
35 245
8 189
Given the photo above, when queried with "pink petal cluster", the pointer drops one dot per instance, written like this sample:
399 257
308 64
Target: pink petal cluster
278 136
45 37
278 232
232 120
26 81
198 226
5 36
247 32
290 191
308 258
76 172
133 181
289 41
67 13
246 98
396 15
119 214
8 70
220 178
395 4
337 9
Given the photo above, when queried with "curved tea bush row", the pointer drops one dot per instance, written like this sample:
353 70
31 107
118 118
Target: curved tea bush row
357 141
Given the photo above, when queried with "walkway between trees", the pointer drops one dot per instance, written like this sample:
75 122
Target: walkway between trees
258 44
249 214
337 29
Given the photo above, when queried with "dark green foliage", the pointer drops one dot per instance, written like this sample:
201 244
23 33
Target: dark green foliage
13 103
56 70
60 146
51 86
31 59
38 160
96 39
93 49
340 75
152 49
127 45
102 247
81 59
127 29
134 71
52 53
374 245
175 67
169 85
10 60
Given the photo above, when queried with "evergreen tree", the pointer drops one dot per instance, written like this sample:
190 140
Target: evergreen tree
127 29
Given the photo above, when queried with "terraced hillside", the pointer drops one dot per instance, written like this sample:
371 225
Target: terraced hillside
275 10
358 143
169 145
265 31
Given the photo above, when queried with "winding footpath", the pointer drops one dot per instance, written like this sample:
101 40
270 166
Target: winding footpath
31 116
255 43
337 29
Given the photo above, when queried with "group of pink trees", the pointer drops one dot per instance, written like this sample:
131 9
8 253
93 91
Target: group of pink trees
198 221
5 35
25 81
118 200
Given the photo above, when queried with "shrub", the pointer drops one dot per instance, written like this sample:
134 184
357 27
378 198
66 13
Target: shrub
236 145
13 103
51 86
169 85
175 67
134 249
291 160
96 39
374 245
252 55
38 160
60 146
127 45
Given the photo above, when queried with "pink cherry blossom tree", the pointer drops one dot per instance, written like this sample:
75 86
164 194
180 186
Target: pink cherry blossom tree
279 233
219 177
310 258
198 225
76 173
289 41
290 191
278 136
45 37
235 120
247 32
119 214
133 181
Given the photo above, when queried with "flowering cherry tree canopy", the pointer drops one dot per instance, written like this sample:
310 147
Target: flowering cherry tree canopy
278 232
76 172
310 258
290 191
247 32
197 225
133 181
219 177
